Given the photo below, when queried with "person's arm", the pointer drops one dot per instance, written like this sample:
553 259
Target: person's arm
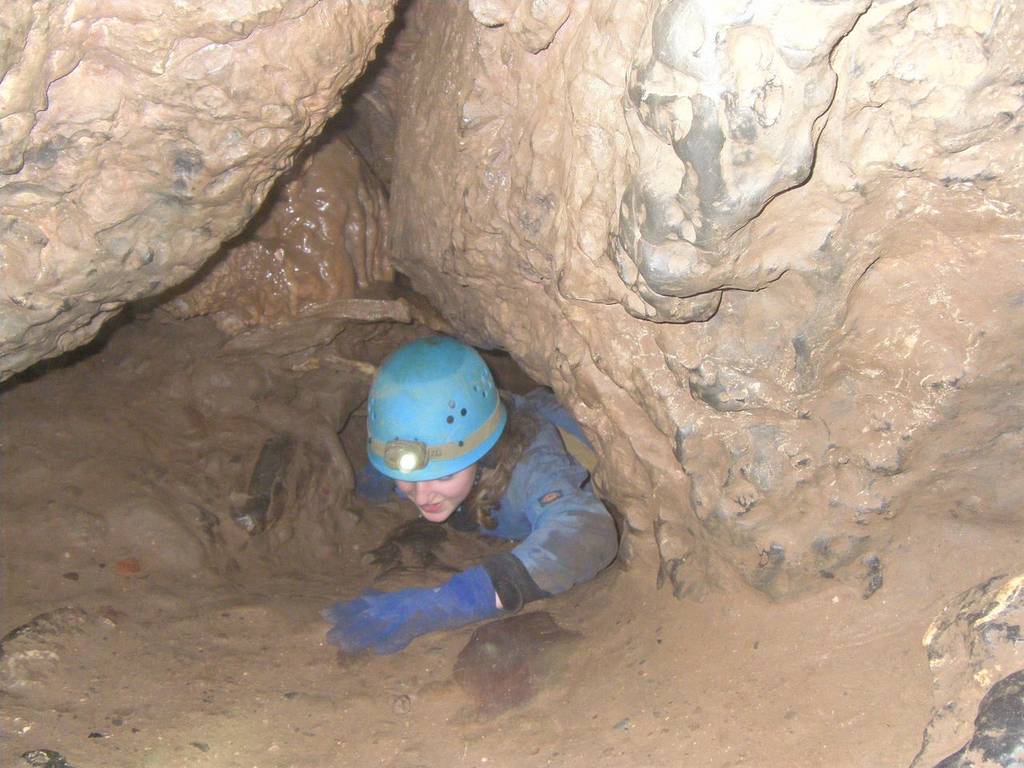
386 622
572 538
572 534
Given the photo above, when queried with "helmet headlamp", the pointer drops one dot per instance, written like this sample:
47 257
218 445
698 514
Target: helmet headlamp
405 456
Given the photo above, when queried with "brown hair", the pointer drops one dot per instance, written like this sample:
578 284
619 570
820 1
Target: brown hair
495 469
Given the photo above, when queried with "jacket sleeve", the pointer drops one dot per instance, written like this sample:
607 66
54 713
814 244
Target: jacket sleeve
572 534
373 485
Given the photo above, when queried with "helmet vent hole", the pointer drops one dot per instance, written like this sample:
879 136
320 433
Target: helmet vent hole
451 404
463 411
450 419
460 443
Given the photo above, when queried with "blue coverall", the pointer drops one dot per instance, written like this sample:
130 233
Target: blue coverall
566 534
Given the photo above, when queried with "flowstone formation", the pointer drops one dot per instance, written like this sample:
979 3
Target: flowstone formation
725 105
134 139
775 246
319 238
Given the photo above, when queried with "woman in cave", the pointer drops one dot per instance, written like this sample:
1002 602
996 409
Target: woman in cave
441 436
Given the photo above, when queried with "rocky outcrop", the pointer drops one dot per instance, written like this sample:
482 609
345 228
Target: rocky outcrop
773 250
974 652
725 107
320 237
134 141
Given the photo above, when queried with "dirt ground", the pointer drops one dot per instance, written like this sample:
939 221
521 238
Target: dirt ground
172 638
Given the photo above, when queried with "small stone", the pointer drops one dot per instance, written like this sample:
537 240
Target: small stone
112 615
506 662
45 758
98 735
70 576
874 575
257 512
401 705
202 746
997 728
623 725
128 567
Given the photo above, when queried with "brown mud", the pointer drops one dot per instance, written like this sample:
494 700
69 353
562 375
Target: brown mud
145 627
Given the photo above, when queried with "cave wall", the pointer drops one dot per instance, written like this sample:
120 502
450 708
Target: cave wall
136 137
320 237
769 252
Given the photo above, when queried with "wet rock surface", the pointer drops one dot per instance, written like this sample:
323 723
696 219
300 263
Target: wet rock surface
976 654
319 238
507 662
133 142
998 730
773 249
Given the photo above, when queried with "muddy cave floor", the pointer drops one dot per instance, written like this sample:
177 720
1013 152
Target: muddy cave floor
162 646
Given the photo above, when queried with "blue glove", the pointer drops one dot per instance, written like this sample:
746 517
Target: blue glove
386 622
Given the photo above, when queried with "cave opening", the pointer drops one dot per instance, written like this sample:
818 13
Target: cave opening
766 258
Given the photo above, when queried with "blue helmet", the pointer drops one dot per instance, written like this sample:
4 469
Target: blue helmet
433 410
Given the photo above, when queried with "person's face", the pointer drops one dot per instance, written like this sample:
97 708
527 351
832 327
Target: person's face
437 499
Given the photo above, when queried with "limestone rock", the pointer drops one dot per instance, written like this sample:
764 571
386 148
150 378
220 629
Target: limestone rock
974 652
532 23
770 249
134 139
320 238
31 653
725 110
368 120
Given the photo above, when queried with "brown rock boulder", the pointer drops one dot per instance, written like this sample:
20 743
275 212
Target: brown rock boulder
135 138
